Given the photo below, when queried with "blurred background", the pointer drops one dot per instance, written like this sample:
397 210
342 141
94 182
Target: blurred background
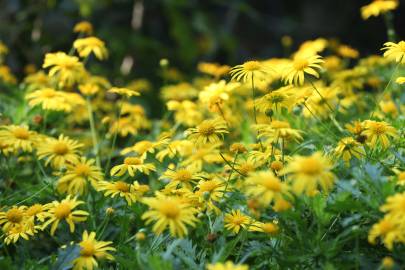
138 33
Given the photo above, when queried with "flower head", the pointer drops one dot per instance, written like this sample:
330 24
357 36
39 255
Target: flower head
88 45
302 64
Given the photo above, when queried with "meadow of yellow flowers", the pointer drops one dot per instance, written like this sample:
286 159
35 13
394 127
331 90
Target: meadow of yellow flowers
282 163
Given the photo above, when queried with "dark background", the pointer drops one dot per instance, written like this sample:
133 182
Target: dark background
184 31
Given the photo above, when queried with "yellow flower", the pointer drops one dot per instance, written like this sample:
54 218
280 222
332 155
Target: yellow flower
24 231
171 212
270 228
78 173
394 208
400 80
248 70
65 68
395 51
278 130
378 7
307 173
347 51
387 263
265 187
227 266
379 132
88 45
37 212
144 147
64 210
91 251
123 92
276 100
18 138
13 217
89 89
132 165
59 151
83 27
131 192
186 112
6 75
49 99
209 192
208 132
235 220
183 177
302 64
388 231
348 147
213 69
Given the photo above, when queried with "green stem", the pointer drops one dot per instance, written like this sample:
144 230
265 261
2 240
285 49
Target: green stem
93 131
230 174
389 23
114 139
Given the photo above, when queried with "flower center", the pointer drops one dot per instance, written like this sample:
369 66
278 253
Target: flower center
21 133
300 64
48 93
206 129
62 211
246 168
183 175
170 209
272 183
311 166
82 170
379 129
122 186
208 186
132 161
238 220
252 65
279 124
385 227
60 148
35 209
88 248
269 228
14 215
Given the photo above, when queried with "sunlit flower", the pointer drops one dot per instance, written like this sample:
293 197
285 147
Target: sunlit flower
49 99
83 27
88 45
208 132
265 187
67 69
395 51
378 7
77 175
131 192
379 132
91 251
227 266
13 217
169 212
132 165
182 177
59 151
307 173
248 70
209 192
123 92
235 220
18 137
295 72
348 147
64 211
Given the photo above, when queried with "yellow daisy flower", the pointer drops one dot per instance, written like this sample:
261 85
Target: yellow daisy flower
25 231
208 132
18 138
132 165
78 173
379 132
302 64
378 7
67 69
83 27
64 210
248 70
235 220
307 173
227 266
183 177
348 147
131 192
49 99
123 92
59 151
395 51
13 217
169 211
88 45
91 251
